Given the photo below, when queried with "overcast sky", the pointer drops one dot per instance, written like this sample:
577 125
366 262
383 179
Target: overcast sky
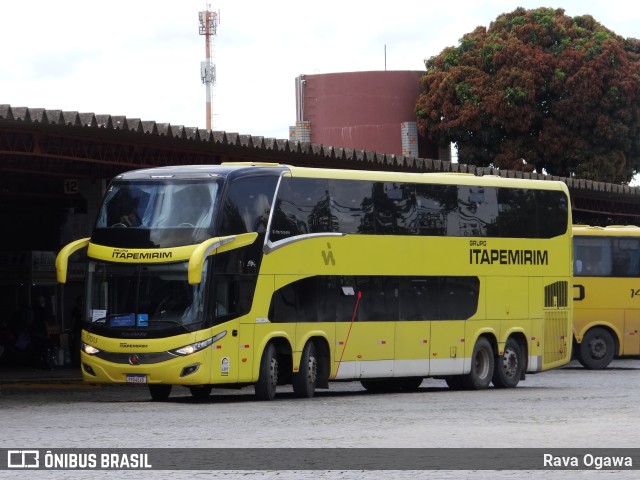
141 58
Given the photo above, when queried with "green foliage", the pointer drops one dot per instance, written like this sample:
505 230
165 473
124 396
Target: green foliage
515 95
538 90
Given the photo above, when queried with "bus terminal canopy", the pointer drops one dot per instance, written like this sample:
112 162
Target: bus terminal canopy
70 144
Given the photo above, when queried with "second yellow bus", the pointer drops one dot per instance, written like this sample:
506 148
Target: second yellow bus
606 287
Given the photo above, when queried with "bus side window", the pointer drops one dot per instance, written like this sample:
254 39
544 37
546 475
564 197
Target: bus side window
626 257
478 208
634 263
437 209
395 208
551 213
379 300
580 255
233 295
302 207
596 259
248 204
352 206
419 298
295 302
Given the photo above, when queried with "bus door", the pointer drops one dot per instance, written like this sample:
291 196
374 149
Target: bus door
232 357
366 313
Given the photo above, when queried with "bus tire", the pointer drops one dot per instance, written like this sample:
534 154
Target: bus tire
201 391
268 376
597 349
304 380
159 392
482 363
508 366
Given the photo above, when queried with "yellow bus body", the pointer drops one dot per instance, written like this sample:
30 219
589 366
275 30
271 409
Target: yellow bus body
519 300
606 306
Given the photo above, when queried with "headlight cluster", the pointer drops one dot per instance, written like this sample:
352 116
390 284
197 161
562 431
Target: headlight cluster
197 346
182 351
88 349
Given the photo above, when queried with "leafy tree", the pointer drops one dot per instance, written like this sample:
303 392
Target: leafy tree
538 90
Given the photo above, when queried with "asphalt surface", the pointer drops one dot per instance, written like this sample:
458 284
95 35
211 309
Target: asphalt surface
565 408
13 375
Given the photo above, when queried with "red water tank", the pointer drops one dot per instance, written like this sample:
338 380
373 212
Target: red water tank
362 110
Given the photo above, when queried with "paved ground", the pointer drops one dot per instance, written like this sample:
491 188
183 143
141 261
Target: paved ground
15 375
569 407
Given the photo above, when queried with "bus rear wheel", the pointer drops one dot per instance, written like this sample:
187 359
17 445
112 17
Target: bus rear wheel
304 380
597 349
482 368
268 376
508 366
201 391
159 393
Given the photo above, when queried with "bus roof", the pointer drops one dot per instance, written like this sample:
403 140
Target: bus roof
609 231
198 171
445 178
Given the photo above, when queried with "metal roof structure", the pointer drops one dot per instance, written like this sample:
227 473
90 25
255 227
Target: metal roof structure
61 143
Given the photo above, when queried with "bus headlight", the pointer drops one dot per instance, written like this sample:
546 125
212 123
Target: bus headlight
88 349
197 346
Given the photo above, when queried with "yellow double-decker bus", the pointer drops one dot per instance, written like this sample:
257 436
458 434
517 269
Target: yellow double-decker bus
606 320
266 274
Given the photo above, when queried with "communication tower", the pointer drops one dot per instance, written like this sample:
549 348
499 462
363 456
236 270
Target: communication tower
209 21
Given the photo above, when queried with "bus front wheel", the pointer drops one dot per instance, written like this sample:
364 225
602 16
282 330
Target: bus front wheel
268 376
597 349
201 391
482 368
304 380
159 393
508 366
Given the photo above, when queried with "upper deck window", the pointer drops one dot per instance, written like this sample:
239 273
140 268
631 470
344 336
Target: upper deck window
314 205
247 205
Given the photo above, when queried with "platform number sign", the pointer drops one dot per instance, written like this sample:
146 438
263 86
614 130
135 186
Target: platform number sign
71 186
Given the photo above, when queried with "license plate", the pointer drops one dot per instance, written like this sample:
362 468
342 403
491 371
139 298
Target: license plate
131 378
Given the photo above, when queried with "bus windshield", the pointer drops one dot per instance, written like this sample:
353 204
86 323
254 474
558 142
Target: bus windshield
158 214
155 299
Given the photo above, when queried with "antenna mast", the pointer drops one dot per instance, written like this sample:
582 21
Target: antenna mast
208 27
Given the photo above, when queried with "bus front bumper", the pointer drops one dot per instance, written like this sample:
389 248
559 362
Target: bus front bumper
187 370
